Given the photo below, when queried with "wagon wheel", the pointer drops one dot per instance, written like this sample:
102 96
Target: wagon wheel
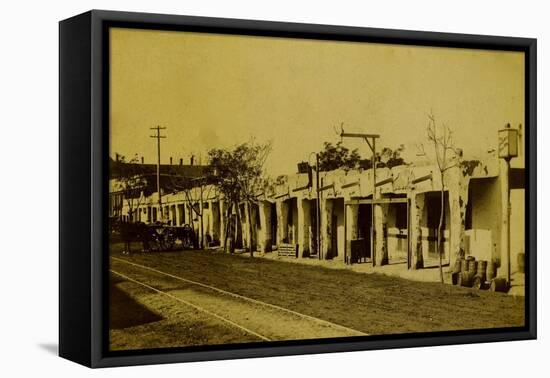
168 239
179 238
155 242
187 240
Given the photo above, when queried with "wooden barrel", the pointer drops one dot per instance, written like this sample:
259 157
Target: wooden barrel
457 268
491 270
463 265
472 266
479 283
499 284
466 279
454 277
482 269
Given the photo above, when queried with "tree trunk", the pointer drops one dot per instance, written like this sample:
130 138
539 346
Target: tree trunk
227 226
201 244
440 245
250 229
201 220
239 222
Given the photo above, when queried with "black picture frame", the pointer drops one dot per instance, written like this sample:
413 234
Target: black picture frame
83 154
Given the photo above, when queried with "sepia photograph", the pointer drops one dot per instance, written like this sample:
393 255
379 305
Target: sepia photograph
266 189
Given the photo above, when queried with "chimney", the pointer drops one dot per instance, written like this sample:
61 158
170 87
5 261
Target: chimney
142 160
170 160
117 157
192 159
181 161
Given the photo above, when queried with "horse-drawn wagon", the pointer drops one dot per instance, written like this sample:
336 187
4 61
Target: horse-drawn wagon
166 238
154 237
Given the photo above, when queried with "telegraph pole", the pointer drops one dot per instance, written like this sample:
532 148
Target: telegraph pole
371 141
159 137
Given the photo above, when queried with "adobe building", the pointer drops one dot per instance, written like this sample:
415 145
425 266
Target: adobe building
388 219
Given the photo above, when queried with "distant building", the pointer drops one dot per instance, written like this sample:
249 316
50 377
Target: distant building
169 173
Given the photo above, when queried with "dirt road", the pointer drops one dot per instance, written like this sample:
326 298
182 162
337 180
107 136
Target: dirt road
204 297
260 320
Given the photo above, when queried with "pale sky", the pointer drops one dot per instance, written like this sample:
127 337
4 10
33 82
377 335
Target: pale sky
212 90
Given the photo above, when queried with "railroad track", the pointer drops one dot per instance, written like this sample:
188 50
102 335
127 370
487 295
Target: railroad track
199 308
219 303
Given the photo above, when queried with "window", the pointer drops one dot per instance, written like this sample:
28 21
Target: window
401 216
433 204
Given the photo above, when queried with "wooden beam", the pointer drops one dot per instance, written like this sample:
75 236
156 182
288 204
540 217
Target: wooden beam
384 182
282 195
330 186
349 185
301 188
423 178
376 201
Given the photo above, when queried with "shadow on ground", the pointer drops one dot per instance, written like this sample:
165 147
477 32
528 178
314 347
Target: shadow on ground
125 311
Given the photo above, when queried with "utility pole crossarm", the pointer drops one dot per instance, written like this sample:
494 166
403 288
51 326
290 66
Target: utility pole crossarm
366 137
359 135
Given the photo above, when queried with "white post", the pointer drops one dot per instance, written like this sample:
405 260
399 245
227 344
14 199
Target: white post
265 237
326 228
417 212
380 226
303 226
505 233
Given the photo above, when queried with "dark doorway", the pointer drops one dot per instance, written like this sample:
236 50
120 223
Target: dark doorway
334 237
274 225
313 246
433 206
364 232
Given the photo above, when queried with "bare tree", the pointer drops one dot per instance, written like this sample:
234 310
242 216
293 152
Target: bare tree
195 189
132 184
239 176
223 173
441 138
252 183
